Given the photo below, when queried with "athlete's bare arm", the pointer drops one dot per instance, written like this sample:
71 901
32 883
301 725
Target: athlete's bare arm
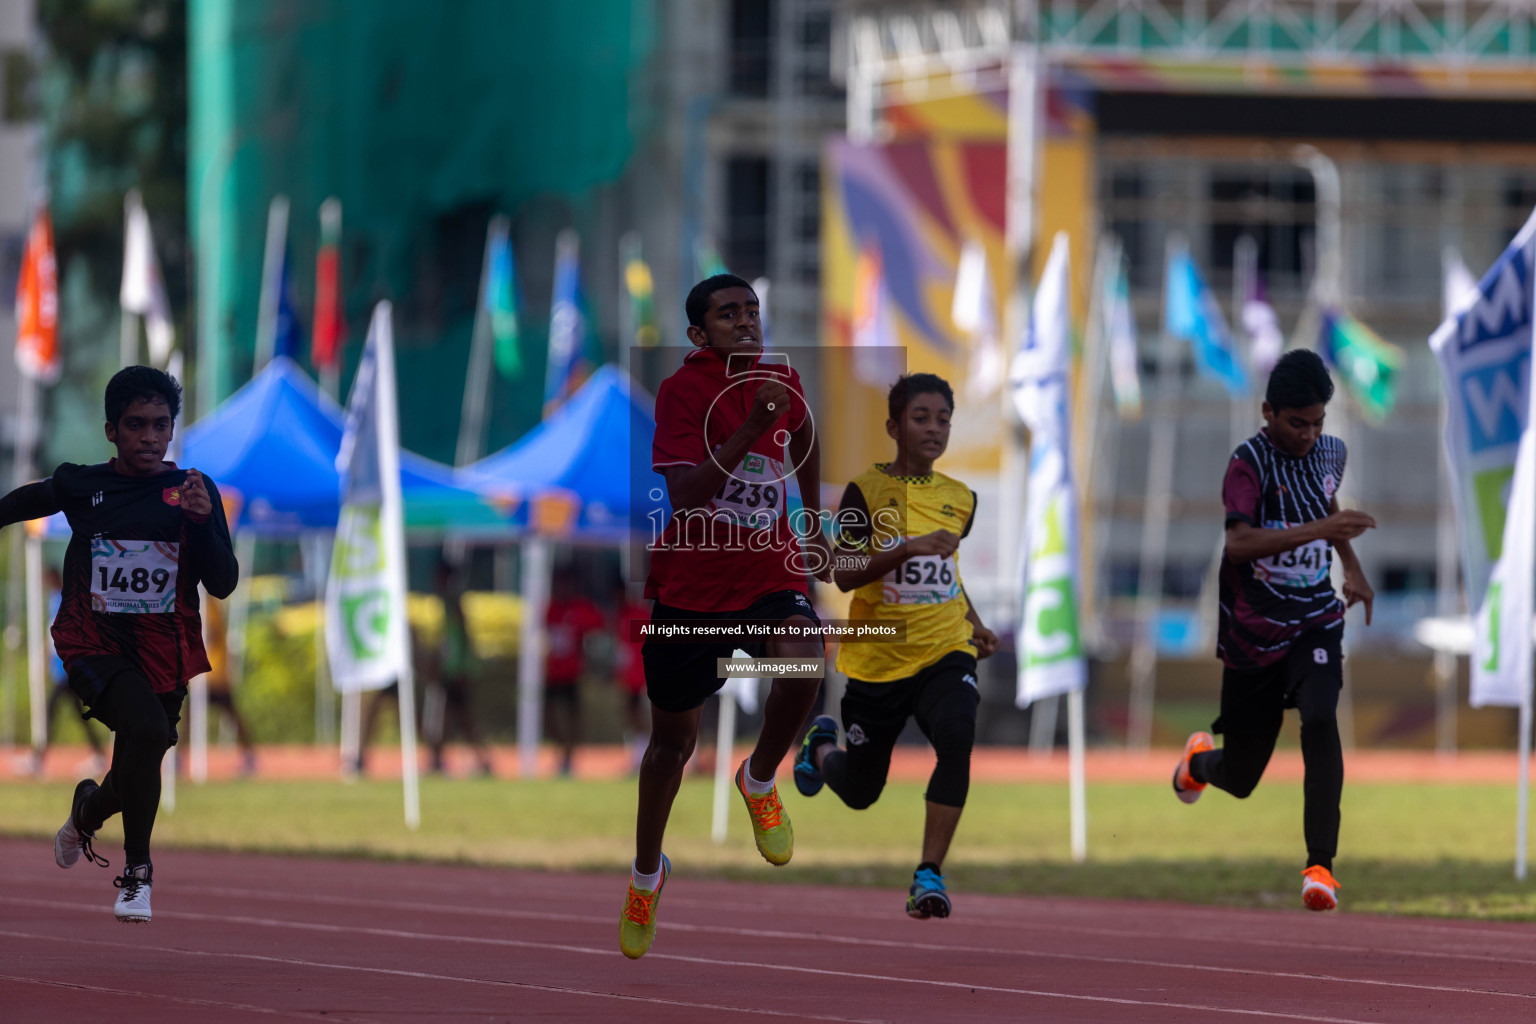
1246 543
805 456
694 486
854 568
1357 589
983 639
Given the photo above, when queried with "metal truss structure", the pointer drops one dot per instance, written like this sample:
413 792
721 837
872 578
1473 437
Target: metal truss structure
917 50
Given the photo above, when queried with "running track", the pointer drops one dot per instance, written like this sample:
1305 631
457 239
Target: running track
245 938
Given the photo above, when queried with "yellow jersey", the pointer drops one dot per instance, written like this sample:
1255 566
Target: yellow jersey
924 591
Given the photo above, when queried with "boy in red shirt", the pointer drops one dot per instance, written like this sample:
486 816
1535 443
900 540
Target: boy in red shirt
568 620
725 422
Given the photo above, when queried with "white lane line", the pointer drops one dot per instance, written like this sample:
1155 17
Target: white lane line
181 1000
428 976
397 933
535 915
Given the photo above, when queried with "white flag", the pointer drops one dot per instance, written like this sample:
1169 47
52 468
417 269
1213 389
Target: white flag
1050 659
974 312
1124 355
1460 287
143 290
1484 352
366 633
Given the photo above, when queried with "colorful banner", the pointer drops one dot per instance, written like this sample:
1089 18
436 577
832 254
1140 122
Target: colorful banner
1367 365
366 634
1191 312
1050 651
1484 353
37 304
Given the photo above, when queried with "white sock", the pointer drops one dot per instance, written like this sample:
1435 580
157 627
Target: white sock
753 786
650 881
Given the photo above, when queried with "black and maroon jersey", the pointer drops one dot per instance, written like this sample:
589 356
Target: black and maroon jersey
1267 603
133 566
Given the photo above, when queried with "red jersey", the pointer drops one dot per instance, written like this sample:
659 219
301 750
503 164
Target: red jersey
568 621
740 546
627 661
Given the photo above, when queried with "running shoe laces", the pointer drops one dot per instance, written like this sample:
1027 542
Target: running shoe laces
90 854
766 809
640 905
928 879
131 884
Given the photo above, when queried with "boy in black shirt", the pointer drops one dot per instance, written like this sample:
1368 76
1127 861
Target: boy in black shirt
145 534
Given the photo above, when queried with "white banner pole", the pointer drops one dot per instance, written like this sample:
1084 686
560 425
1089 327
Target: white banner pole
392 529
36 651
1523 787
725 739
537 562
1076 775
197 725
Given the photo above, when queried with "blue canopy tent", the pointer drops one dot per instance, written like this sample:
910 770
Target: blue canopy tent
274 444
586 470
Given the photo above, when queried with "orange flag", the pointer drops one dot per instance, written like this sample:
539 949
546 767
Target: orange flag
37 304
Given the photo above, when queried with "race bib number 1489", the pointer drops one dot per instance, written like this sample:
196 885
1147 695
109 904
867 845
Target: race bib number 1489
134 576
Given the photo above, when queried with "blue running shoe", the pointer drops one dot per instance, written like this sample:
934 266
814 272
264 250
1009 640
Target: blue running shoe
927 897
807 776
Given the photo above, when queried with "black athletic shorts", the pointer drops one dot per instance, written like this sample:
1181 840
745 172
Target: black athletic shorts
680 677
874 714
90 676
1245 693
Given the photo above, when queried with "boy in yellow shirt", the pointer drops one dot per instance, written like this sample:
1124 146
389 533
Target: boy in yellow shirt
900 525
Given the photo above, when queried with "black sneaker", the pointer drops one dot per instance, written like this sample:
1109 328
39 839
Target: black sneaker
808 778
73 838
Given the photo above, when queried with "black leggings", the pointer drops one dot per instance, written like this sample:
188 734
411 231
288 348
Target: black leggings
1252 708
942 698
144 726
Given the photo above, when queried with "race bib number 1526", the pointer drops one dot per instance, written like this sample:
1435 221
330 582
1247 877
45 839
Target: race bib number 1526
134 576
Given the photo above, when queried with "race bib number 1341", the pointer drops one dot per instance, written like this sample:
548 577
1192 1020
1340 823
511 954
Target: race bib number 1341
134 576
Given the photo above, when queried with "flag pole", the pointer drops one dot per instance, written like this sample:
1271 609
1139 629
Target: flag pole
725 758
537 561
393 530
1154 532
477 380
1523 786
271 282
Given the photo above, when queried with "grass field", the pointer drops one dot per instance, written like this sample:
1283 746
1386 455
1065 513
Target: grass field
1438 849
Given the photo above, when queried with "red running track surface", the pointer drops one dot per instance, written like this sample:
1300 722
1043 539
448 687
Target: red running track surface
247 938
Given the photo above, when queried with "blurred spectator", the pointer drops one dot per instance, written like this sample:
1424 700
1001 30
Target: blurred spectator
220 694
629 673
570 617
447 689
60 693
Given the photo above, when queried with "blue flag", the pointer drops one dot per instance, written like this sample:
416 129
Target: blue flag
567 326
287 331
1191 313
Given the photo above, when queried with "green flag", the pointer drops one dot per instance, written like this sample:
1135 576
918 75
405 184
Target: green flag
501 302
1368 364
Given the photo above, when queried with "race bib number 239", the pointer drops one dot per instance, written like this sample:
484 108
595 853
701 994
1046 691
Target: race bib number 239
134 576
